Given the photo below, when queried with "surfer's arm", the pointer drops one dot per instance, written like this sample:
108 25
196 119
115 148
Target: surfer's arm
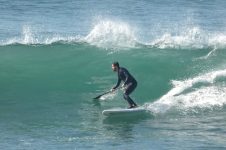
117 85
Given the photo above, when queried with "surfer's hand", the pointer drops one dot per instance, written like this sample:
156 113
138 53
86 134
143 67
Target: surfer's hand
123 86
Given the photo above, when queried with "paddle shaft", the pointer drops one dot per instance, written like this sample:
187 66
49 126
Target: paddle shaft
105 93
102 94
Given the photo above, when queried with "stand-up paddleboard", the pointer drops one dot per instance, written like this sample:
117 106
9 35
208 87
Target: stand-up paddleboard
123 111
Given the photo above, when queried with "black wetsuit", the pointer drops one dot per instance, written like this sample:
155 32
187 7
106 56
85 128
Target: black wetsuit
129 82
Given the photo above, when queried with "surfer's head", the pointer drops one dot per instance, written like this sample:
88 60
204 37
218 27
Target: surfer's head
115 66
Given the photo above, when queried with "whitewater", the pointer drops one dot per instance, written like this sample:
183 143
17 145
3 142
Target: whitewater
111 34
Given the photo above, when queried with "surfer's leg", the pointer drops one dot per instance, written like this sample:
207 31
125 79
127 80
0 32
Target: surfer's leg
130 88
129 100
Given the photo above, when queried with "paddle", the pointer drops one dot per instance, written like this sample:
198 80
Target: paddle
99 96
102 94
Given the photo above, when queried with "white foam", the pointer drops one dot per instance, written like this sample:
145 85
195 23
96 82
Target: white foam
109 33
29 36
192 37
108 96
206 96
118 34
218 40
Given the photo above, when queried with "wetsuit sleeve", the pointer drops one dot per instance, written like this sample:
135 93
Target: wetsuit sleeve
118 83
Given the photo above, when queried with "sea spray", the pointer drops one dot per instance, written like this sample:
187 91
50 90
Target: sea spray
112 34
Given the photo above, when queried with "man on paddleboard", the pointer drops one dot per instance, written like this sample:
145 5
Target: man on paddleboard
129 84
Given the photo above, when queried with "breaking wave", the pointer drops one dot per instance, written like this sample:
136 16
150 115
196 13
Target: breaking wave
203 92
118 34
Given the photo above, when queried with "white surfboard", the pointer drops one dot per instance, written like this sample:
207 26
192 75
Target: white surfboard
123 111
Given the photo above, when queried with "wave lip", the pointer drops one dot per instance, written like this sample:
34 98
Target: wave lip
193 37
190 38
112 34
198 92
37 41
30 37
118 34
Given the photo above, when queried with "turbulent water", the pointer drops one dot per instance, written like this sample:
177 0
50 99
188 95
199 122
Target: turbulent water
56 56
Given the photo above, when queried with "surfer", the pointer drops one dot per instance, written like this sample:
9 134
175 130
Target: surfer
129 84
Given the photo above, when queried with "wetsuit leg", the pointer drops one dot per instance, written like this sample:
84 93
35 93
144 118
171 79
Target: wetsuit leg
130 88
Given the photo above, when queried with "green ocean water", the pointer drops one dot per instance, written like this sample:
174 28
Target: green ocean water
47 90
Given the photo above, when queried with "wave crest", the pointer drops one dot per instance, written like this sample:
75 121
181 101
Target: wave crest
118 34
30 37
193 37
112 34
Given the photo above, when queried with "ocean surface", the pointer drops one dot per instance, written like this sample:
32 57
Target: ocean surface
56 56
